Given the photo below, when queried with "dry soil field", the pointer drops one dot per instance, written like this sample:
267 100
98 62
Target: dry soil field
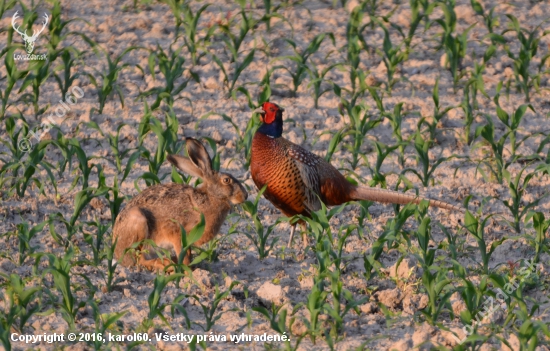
445 98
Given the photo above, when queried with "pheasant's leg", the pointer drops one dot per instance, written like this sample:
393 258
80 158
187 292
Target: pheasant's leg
291 235
305 241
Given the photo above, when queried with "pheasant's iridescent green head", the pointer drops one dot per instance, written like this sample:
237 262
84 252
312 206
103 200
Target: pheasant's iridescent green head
271 116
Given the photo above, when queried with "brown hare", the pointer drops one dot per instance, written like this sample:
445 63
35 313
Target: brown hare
158 211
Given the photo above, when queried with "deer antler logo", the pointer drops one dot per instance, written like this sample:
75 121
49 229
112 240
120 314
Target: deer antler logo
29 40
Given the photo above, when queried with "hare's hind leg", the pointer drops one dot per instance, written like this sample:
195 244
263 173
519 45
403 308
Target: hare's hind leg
132 229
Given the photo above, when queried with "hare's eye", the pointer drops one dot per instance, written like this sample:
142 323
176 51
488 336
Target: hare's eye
226 180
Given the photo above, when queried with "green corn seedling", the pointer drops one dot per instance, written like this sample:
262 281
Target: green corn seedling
382 151
512 122
498 166
66 80
233 42
13 75
25 235
22 300
261 242
301 58
155 307
455 45
316 79
315 302
529 44
438 113
517 187
185 17
422 146
39 73
60 270
209 310
361 122
103 323
392 56
540 241
477 229
396 118
109 77
171 65
239 68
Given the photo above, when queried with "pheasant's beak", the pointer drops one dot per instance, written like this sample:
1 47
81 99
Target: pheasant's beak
261 112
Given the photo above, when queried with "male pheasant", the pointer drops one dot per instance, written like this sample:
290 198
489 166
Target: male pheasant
296 178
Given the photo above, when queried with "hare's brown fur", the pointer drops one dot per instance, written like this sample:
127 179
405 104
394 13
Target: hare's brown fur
158 211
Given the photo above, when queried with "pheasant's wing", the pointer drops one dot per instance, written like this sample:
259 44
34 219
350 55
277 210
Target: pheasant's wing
306 163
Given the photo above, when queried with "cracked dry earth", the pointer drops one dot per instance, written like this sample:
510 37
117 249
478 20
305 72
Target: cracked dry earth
390 317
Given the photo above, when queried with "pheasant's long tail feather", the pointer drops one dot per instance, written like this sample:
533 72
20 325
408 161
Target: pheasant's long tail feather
394 197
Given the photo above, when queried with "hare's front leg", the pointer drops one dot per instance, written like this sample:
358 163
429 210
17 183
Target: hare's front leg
169 234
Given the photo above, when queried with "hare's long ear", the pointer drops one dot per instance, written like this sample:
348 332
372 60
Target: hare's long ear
199 156
185 165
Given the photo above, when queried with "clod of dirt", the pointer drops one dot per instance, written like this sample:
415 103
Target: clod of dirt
423 334
270 293
401 345
413 303
212 84
203 278
405 270
369 308
457 303
390 298
298 328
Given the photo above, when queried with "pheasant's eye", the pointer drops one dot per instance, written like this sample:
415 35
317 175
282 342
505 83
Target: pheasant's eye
226 180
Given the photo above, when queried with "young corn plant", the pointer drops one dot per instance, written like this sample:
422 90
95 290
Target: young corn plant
196 46
66 80
342 302
168 142
244 137
233 42
108 84
261 238
314 304
25 235
395 118
496 164
529 43
316 79
489 19
422 147
361 122
382 152
517 187
477 230
455 45
39 73
392 56
103 323
156 308
22 302
438 113
171 65
512 122
60 270
300 58
13 75
209 310
540 241
239 67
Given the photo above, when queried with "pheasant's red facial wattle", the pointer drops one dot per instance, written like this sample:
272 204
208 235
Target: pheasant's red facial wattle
270 110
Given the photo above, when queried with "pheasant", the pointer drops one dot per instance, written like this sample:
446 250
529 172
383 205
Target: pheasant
297 180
